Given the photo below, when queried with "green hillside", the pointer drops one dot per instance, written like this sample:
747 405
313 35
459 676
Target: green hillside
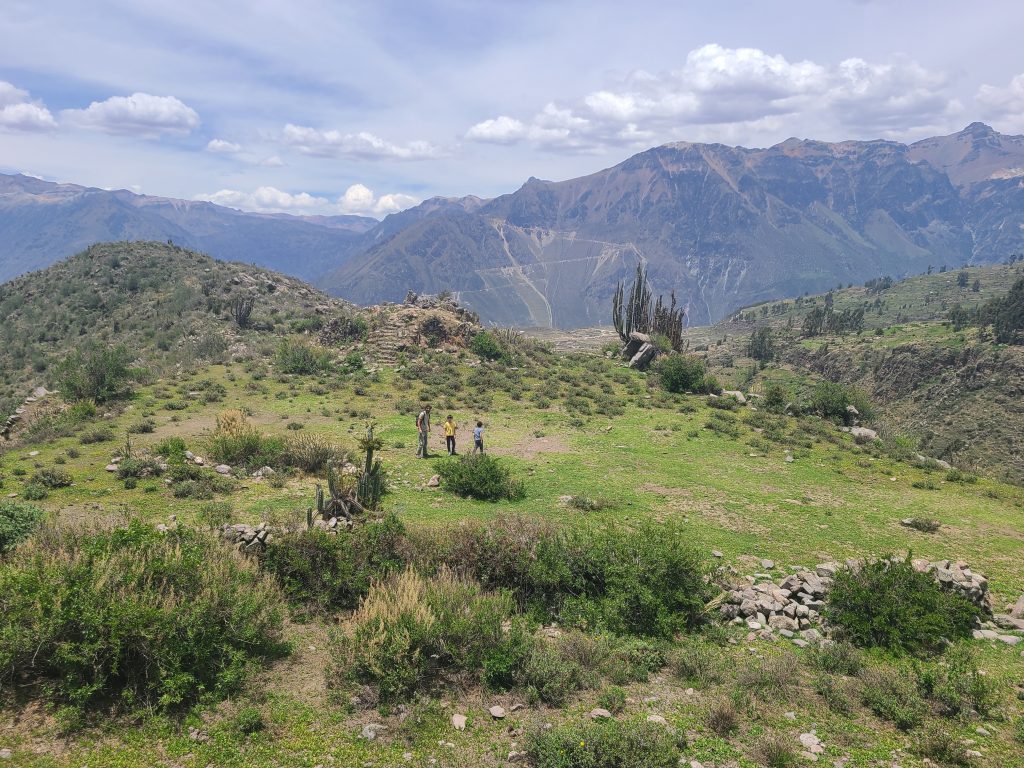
627 491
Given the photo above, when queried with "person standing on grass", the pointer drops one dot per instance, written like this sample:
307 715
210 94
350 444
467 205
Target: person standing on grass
449 434
478 437
423 428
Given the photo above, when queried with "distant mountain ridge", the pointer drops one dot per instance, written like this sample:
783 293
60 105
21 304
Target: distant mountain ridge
42 222
723 226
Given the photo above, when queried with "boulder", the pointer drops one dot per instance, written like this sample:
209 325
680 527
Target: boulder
222 469
863 433
459 722
434 481
599 713
497 712
736 394
370 731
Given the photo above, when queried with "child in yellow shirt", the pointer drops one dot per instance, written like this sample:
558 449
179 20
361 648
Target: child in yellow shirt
449 434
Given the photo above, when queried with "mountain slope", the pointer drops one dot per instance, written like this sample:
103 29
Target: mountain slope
168 305
724 226
42 222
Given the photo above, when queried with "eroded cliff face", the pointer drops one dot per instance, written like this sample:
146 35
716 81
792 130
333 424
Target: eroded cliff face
965 402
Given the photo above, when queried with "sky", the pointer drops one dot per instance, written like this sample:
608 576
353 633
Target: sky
330 107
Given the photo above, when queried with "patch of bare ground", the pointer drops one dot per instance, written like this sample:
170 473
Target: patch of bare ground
682 500
530 447
303 673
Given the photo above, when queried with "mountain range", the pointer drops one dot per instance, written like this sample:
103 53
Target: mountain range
721 226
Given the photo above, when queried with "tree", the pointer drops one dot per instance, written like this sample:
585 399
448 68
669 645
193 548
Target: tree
976 285
761 345
962 279
95 372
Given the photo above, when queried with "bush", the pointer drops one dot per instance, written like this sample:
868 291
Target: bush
684 373
95 372
775 750
830 401
776 398
34 492
171 448
612 698
320 571
486 345
133 617
236 441
480 476
51 478
772 676
958 686
137 468
938 744
311 453
723 716
604 744
549 676
301 358
834 692
696 661
17 522
892 696
837 658
407 625
888 604
98 435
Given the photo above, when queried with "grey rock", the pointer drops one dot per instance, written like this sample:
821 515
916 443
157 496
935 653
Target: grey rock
497 712
459 722
371 730
599 713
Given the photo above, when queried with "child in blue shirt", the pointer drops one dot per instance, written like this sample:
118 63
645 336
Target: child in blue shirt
478 437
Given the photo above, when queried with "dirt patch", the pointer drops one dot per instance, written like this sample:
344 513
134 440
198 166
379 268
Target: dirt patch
304 673
530 447
682 500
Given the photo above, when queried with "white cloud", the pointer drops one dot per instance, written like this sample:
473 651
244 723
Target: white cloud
360 199
728 88
1004 105
18 113
140 114
499 130
223 147
271 162
357 199
312 141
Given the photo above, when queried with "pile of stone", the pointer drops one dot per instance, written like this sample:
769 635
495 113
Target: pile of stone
247 537
958 577
792 607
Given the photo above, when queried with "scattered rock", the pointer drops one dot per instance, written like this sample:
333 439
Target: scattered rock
222 469
657 719
982 731
863 433
599 713
111 467
33 453
459 722
370 730
767 564
497 712
434 482
716 553
5 754
518 757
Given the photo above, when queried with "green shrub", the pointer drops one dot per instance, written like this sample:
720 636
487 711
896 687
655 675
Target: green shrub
34 492
958 686
612 698
486 345
959 476
407 625
247 721
837 658
136 468
480 476
888 604
302 358
311 453
684 373
549 676
320 571
143 427
98 435
604 744
776 398
834 691
830 401
893 696
769 677
171 448
51 478
17 522
938 744
237 442
214 515
95 372
696 661
133 617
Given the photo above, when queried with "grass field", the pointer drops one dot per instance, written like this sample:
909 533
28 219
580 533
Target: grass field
731 488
